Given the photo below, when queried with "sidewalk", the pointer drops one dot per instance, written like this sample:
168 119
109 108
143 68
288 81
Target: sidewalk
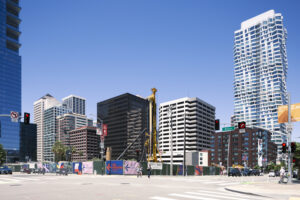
267 188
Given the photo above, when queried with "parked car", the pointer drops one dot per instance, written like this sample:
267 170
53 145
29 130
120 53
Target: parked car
26 170
5 170
234 172
255 172
62 171
272 173
246 172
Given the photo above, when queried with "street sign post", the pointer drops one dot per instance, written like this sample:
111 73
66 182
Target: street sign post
230 128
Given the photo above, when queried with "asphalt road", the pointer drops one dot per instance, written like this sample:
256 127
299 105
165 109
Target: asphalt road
92 187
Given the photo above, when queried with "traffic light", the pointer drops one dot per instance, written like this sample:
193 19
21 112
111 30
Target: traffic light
26 118
242 125
283 147
217 124
294 160
293 147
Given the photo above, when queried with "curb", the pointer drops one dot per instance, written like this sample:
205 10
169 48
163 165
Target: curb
247 193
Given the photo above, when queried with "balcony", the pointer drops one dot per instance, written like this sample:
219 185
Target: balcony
12 45
13 8
12 33
13 20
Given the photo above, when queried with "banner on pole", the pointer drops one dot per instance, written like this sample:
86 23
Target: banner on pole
283 113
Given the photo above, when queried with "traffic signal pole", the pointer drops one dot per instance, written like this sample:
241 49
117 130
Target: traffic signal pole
290 175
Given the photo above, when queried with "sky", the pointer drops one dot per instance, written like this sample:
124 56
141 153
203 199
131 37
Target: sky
100 49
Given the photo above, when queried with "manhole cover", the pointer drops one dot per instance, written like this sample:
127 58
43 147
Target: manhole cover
16 185
86 184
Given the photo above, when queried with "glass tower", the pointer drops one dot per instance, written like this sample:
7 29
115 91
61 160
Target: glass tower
260 72
10 76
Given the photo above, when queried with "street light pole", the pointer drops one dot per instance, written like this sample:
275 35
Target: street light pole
228 154
171 139
184 155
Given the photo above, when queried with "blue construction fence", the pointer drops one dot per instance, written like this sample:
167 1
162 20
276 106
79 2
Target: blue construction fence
116 167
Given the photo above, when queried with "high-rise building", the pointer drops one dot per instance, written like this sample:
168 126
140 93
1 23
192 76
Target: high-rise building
68 122
126 117
191 116
75 103
86 142
50 128
260 72
10 76
28 142
244 148
40 106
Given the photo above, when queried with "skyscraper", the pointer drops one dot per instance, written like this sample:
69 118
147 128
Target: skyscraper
50 128
10 75
126 117
40 106
75 103
190 115
260 72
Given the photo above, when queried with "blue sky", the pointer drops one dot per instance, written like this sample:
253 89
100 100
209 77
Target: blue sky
99 49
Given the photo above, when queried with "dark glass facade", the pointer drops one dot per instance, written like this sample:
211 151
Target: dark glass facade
27 142
10 75
126 116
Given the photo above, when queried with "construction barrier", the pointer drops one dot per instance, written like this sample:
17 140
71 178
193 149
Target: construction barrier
99 167
114 167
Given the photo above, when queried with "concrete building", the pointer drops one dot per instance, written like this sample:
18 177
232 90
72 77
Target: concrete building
192 116
50 128
244 148
126 116
86 143
68 122
260 72
75 103
10 76
28 142
40 106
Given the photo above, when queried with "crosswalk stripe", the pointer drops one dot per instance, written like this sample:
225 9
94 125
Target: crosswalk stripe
191 197
224 196
229 194
161 198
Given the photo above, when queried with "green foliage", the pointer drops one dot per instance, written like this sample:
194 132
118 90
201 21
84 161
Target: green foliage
297 152
256 167
59 150
2 155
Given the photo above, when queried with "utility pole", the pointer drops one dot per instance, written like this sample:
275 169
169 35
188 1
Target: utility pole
184 155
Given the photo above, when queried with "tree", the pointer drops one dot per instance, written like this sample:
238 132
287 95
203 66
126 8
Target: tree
297 157
2 155
256 167
59 150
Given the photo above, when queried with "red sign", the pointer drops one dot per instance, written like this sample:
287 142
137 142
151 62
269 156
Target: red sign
104 128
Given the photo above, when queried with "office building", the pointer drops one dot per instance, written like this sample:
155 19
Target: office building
28 141
68 122
10 76
49 131
191 116
75 103
260 72
244 148
86 142
40 106
126 117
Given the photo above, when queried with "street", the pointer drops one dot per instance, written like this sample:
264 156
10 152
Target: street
92 187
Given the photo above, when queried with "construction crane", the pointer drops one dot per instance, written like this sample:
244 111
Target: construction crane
151 142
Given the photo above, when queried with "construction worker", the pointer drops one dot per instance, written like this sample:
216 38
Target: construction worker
149 171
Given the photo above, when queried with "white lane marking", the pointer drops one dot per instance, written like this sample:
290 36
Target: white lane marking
161 198
228 193
191 197
228 183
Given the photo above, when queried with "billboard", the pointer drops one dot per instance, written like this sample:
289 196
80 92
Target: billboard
130 167
283 113
114 167
155 165
87 167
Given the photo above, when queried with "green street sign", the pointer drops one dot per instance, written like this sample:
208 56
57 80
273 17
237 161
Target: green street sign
230 128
